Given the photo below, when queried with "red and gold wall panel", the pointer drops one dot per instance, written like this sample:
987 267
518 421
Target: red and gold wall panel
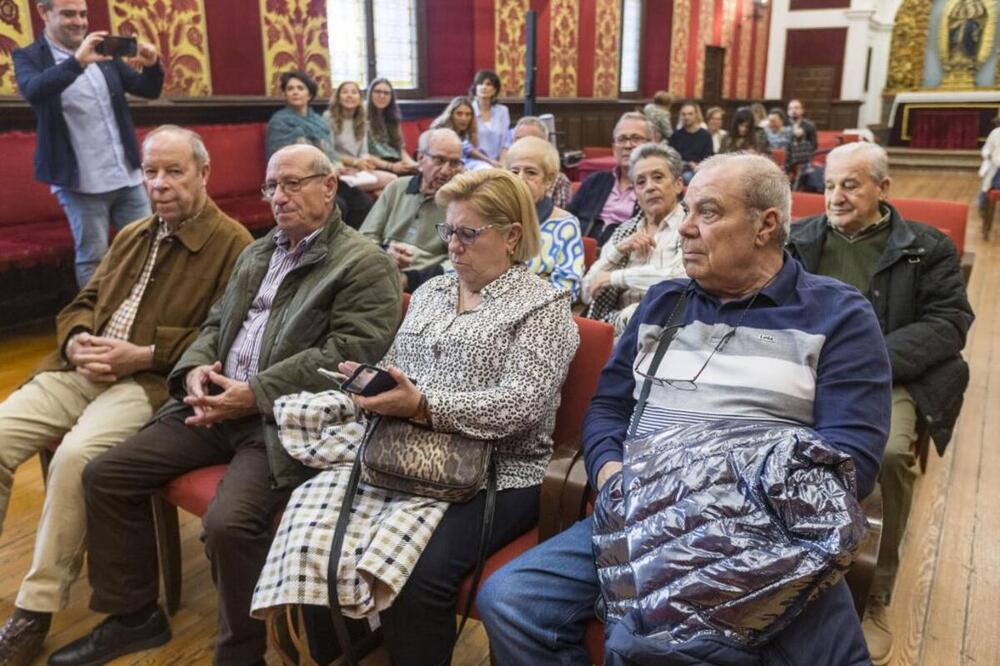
760 53
608 22
177 30
706 37
679 46
564 18
509 49
15 32
295 37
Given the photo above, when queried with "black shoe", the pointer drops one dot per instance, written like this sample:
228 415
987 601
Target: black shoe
21 641
111 639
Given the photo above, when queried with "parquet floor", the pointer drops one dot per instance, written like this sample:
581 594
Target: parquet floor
947 605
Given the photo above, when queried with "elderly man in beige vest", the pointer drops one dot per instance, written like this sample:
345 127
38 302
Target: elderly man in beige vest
118 339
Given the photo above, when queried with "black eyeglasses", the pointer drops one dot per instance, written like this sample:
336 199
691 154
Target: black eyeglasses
466 235
289 185
441 160
680 384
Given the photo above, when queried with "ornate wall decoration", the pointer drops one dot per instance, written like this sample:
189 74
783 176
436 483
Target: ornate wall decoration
295 37
760 57
508 45
607 31
177 30
706 14
564 17
728 30
909 41
15 32
743 62
679 47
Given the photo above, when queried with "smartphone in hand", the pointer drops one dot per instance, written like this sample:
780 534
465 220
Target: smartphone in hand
368 380
117 45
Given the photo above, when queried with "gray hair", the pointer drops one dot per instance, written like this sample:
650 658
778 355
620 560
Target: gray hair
661 150
429 135
634 115
536 122
874 155
764 186
320 163
194 139
45 4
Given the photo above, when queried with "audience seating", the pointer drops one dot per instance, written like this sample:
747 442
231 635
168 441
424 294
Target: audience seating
807 204
194 491
989 211
589 252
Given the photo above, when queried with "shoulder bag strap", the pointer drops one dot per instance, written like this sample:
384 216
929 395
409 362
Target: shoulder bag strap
676 317
339 625
484 541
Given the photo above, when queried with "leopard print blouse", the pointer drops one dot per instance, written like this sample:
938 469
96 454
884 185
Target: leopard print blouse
493 372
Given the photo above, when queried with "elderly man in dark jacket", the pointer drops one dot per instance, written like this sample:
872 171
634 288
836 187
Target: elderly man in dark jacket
310 294
910 272
751 336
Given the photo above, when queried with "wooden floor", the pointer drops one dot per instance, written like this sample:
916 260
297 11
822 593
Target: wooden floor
947 604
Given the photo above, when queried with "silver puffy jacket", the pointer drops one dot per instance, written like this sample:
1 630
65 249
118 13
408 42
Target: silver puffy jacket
724 529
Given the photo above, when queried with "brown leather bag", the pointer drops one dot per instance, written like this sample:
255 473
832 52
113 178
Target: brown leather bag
403 456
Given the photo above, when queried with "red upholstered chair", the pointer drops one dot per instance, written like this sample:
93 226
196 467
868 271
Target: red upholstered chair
779 156
949 217
589 252
596 151
807 204
194 491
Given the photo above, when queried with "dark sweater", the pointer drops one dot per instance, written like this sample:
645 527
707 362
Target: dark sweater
693 146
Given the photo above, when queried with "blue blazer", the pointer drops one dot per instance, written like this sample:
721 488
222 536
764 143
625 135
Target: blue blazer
42 82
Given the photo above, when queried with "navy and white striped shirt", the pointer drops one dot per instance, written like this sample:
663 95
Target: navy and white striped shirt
244 355
809 352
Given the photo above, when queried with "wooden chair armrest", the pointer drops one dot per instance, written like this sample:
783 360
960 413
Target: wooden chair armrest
862 572
564 491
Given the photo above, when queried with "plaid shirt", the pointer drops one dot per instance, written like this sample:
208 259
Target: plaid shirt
120 324
244 355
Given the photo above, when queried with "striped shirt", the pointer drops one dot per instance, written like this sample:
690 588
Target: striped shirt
809 352
120 324
244 355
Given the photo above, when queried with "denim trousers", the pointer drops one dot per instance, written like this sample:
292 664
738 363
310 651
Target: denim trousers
89 218
536 610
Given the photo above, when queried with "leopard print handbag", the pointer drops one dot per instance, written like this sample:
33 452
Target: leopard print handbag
403 456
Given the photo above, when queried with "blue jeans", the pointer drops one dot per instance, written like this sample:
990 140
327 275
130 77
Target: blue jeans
536 610
89 216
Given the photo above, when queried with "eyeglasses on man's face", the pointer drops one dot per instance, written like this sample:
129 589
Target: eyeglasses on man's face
673 382
441 161
466 235
288 185
630 139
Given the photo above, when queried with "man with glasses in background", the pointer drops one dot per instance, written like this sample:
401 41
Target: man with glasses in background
751 335
607 198
404 218
310 294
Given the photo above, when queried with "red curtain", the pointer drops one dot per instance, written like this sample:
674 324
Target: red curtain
954 129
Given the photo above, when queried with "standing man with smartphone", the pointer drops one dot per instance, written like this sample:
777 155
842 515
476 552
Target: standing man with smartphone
86 146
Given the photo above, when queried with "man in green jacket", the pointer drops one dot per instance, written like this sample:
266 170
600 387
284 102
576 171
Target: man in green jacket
309 295
116 343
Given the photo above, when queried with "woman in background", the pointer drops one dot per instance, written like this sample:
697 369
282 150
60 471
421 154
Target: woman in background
492 119
745 135
713 122
536 162
385 139
779 136
297 122
349 127
460 116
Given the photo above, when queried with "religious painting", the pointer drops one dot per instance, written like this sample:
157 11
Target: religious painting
960 50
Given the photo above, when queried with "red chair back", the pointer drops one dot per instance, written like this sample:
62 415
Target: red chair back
589 252
596 342
778 155
807 204
947 216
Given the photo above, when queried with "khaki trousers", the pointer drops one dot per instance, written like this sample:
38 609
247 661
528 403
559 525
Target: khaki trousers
88 418
898 472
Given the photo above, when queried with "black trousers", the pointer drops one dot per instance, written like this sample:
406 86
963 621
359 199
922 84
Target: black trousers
237 527
419 628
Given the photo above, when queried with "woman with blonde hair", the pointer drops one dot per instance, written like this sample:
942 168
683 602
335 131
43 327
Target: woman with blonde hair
482 353
460 117
349 127
560 260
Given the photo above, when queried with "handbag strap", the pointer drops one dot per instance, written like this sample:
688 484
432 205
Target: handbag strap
336 614
676 316
339 624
